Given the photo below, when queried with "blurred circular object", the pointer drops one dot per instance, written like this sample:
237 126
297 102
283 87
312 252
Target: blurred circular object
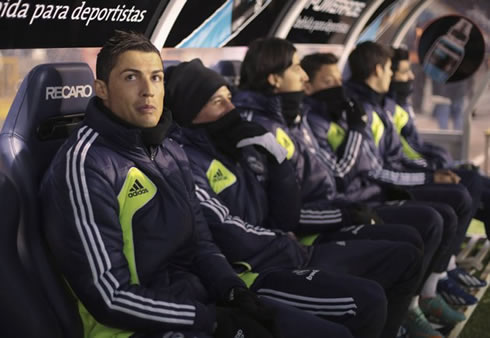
451 48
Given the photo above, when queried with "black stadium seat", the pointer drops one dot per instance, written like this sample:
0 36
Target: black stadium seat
230 70
170 63
48 106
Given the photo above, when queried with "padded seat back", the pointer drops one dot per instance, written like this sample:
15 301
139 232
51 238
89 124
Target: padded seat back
48 106
230 70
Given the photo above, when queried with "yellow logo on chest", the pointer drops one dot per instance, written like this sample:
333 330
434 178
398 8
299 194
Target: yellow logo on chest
219 176
284 140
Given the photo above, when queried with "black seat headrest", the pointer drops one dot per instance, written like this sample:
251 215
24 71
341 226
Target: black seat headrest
48 105
229 69
170 63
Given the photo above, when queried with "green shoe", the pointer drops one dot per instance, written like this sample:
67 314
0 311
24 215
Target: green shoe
437 311
418 326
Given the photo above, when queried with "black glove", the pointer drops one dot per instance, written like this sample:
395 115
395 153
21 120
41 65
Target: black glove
361 214
231 132
355 115
251 133
248 302
393 193
231 321
469 167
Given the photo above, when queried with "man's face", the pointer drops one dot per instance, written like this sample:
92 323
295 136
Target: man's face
135 89
328 76
404 72
217 106
384 77
292 80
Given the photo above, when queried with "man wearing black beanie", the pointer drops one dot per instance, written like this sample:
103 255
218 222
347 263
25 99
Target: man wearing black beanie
195 85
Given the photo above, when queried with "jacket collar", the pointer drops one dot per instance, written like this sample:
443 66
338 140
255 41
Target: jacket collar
195 137
362 92
398 99
114 129
267 105
317 106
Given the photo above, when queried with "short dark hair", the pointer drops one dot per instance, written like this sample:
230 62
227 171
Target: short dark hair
399 54
119 43
364 58
265 56
312 63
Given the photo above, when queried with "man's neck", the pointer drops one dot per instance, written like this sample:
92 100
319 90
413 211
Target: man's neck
105 109
371 94
372 83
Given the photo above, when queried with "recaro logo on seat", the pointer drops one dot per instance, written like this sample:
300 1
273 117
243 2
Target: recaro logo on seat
67 92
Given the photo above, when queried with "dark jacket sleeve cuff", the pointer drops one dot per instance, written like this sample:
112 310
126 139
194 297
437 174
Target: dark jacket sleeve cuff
429 178
225 286
205 320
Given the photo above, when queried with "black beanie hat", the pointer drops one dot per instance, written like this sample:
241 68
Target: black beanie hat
188 87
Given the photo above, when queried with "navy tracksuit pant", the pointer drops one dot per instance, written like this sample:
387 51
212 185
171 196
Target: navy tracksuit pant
474 183
429 223
445 251
458 198
483 212
290 321
423 228
395 266
356 303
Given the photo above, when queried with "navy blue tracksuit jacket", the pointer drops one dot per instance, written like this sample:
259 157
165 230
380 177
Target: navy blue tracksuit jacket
127 231
322 208
413 145
386 150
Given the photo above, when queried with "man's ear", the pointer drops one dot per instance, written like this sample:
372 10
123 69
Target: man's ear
379 70
101 89
274 80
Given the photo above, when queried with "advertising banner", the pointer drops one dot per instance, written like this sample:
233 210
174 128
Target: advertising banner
326 21
65 23
213 23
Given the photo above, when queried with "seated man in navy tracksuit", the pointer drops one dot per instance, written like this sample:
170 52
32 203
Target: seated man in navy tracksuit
437 157
370 65
244 182
123 222
339 129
